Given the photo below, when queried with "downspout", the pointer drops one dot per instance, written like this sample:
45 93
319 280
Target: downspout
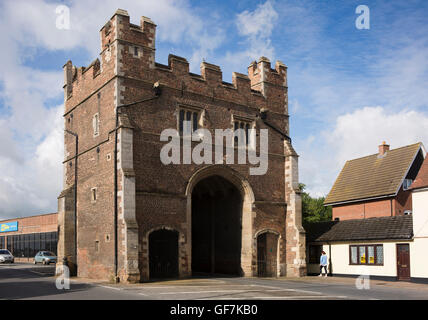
75 192
263 116
157 90
329 257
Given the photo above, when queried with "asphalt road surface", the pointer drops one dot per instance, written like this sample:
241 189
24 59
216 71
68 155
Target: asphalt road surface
27 281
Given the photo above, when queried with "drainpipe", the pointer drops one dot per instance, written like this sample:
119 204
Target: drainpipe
157 92
263 116
75 191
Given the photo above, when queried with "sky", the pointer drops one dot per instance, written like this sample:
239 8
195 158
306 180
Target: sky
349 88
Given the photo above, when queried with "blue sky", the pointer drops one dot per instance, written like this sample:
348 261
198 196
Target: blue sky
349 89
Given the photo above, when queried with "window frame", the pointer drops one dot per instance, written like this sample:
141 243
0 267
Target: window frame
366 251
407 183
192 110
249 123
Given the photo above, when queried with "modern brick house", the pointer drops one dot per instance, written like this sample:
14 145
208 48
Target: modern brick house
376 185
379 218
135 218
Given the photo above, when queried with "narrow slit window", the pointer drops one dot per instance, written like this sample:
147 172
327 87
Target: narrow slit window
94 194
96 124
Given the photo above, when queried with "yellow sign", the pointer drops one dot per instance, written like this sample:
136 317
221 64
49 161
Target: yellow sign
371 260
363 259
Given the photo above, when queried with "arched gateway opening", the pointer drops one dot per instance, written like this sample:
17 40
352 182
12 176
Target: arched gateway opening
216 227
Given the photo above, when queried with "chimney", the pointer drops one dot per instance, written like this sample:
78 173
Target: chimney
383 148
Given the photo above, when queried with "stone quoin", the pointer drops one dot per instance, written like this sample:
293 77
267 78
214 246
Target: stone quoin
123 215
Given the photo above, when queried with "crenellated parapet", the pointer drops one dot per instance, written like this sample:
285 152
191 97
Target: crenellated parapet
128 51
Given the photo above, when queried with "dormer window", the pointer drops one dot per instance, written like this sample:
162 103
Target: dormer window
407 183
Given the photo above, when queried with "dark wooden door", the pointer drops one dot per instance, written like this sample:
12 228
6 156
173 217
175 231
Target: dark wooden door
261 256
163 254
403 262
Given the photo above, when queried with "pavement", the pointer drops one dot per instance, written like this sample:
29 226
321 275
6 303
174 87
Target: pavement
27 281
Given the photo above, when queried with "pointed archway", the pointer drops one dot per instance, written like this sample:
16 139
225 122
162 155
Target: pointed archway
238 201
216 227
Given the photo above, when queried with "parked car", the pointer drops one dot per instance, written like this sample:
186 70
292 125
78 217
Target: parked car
45 257
6 256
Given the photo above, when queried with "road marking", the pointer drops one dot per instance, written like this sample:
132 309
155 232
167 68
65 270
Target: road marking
218 291
110 287
142 294
301 297
292 290
190 286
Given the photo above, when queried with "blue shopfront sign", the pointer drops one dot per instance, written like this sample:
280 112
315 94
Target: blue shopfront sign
9 226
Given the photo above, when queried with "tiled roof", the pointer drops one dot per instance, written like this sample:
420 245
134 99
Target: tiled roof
373 176
380 228
421 180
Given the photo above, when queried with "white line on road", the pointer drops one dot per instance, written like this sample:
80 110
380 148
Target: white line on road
302 297
110 287
292 290
218 291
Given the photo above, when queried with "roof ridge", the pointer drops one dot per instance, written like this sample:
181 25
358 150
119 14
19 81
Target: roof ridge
375 154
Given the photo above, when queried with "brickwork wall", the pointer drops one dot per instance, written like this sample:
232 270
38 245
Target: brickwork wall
393 206
126 73
34 224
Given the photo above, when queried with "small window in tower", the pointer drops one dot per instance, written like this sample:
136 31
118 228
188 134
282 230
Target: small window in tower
136 51
97 246
96 124
94 194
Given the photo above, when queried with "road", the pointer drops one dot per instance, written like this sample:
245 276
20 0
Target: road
26 281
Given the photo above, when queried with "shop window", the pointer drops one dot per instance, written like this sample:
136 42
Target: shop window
366 254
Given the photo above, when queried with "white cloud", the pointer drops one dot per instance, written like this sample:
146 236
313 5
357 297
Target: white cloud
257 23
354 135
256 28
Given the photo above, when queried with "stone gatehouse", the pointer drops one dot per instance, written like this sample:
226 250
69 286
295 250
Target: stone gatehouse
135 218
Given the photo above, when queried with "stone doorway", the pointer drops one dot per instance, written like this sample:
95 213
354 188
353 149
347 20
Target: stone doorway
267 257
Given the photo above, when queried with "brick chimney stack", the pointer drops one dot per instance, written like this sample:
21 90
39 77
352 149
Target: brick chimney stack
383 148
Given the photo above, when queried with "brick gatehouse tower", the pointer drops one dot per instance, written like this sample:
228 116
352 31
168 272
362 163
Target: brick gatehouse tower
135 218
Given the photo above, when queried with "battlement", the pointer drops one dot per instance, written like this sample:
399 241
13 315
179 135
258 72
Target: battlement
128 50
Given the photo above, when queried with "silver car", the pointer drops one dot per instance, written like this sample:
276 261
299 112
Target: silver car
45 257
6 256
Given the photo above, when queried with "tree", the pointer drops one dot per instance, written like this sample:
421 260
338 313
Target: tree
313 209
